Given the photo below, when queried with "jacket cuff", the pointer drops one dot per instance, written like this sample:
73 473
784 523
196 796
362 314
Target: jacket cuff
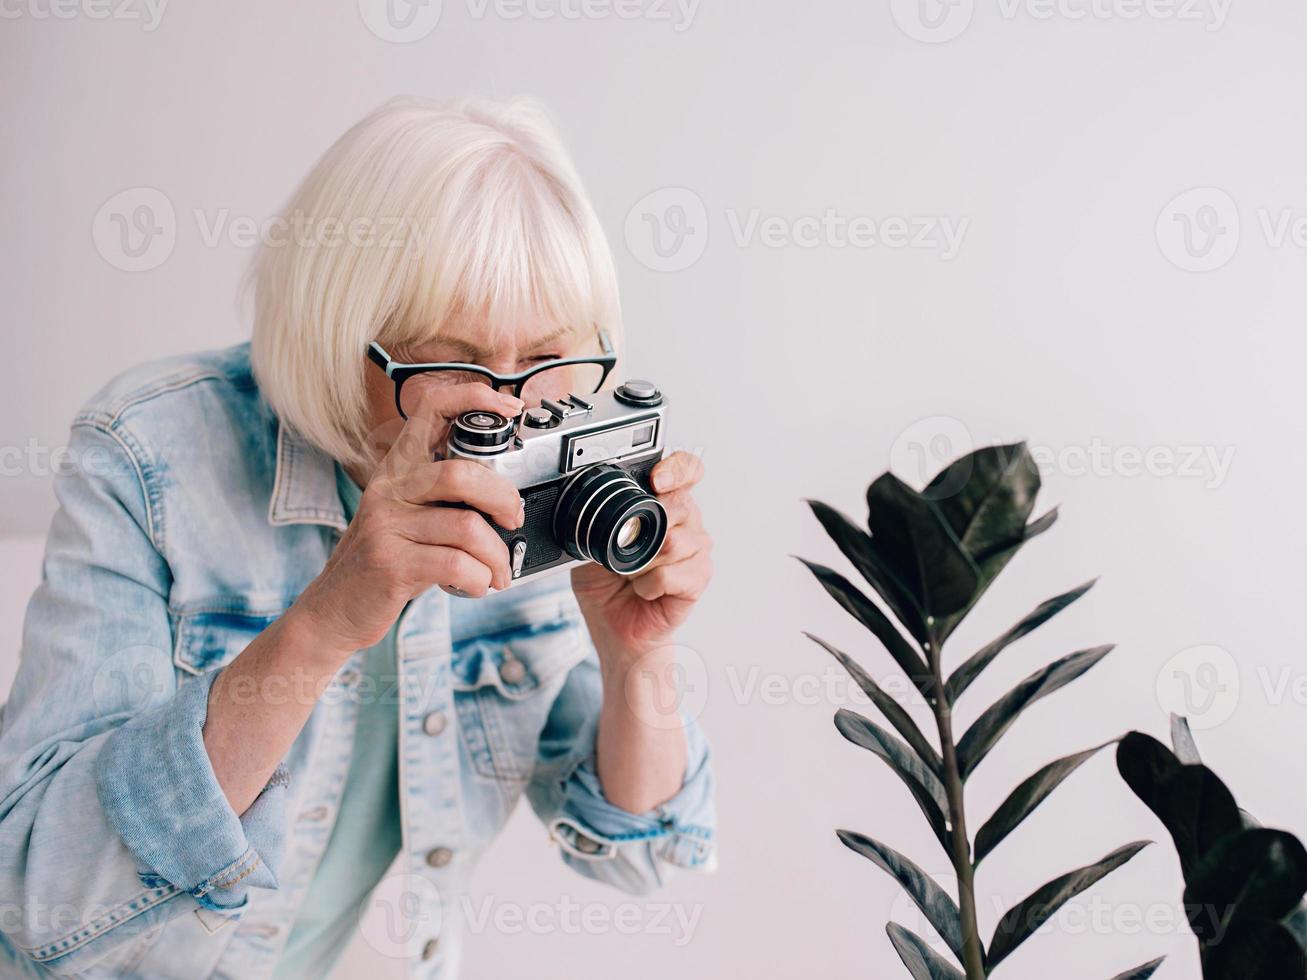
680 831
160 794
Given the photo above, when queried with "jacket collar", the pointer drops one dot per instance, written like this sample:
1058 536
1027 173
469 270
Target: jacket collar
304 488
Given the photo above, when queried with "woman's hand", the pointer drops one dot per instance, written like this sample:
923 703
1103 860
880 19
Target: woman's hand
633 615
398 545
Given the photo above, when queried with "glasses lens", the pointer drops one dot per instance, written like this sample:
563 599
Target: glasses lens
411 391
568 379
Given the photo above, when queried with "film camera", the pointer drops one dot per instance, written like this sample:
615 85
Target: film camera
582 466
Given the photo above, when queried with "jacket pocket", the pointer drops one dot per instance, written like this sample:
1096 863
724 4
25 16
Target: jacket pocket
207 641
504 687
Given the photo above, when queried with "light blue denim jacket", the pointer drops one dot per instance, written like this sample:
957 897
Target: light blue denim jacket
189 521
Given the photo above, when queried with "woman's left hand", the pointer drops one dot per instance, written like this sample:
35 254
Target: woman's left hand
631 615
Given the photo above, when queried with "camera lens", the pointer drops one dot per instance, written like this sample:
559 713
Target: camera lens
604 515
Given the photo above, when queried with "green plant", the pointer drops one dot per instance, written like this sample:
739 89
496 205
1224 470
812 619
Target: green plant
1244 883
929 556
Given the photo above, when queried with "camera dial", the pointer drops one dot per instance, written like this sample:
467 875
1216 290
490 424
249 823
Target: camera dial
481 433
641 394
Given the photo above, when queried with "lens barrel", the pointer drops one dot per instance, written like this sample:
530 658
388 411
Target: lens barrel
604 515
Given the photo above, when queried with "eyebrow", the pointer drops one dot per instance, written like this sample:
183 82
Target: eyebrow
472 353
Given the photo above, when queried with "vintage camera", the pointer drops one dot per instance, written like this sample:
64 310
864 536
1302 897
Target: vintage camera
582 466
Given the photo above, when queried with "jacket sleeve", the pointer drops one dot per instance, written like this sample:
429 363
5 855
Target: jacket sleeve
111 817
633 852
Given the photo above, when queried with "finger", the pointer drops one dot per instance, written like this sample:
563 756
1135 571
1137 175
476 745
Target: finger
461 481
451 568
684 580
463 529
679 471
427 427
681 543
682 510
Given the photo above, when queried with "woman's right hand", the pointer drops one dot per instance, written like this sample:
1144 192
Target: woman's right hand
400 544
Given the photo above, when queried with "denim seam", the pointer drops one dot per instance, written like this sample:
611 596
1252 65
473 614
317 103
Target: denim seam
161 386
153 525
117 915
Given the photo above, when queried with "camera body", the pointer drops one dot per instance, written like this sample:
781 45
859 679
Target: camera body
582 466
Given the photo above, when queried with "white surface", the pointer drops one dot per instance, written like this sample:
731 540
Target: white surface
1061 318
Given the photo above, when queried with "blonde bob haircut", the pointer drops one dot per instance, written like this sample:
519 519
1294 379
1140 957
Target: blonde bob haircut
421 212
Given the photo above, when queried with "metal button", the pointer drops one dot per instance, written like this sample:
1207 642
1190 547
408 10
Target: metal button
434 723
439 857
348 677
511 670
587 845
429 950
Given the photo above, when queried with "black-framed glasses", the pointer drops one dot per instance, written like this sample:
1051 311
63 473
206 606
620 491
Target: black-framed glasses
549 379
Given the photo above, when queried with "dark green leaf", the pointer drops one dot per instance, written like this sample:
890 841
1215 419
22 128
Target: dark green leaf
936 904
1041 524
870 616
1266 952
912 537
1248 879
923 963
1141 972
1024 799
1182 740
1192 803
986 497
924 785
961 678
890 708
991 725
989 514
1021 921
855 544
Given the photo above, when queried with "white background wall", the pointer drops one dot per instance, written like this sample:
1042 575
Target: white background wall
1057 136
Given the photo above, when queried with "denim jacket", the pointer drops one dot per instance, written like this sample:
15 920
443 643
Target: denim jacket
189 520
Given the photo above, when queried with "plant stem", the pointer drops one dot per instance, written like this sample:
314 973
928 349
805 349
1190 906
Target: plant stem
973 952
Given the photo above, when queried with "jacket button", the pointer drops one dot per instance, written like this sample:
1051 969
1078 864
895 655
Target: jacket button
587 845
512 671
429 950
434 723
439 857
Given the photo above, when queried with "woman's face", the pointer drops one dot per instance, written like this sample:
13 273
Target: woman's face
529 341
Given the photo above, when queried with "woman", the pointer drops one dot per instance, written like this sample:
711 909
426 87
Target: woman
241 701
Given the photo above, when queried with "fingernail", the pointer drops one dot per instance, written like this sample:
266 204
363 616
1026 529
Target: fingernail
660 481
